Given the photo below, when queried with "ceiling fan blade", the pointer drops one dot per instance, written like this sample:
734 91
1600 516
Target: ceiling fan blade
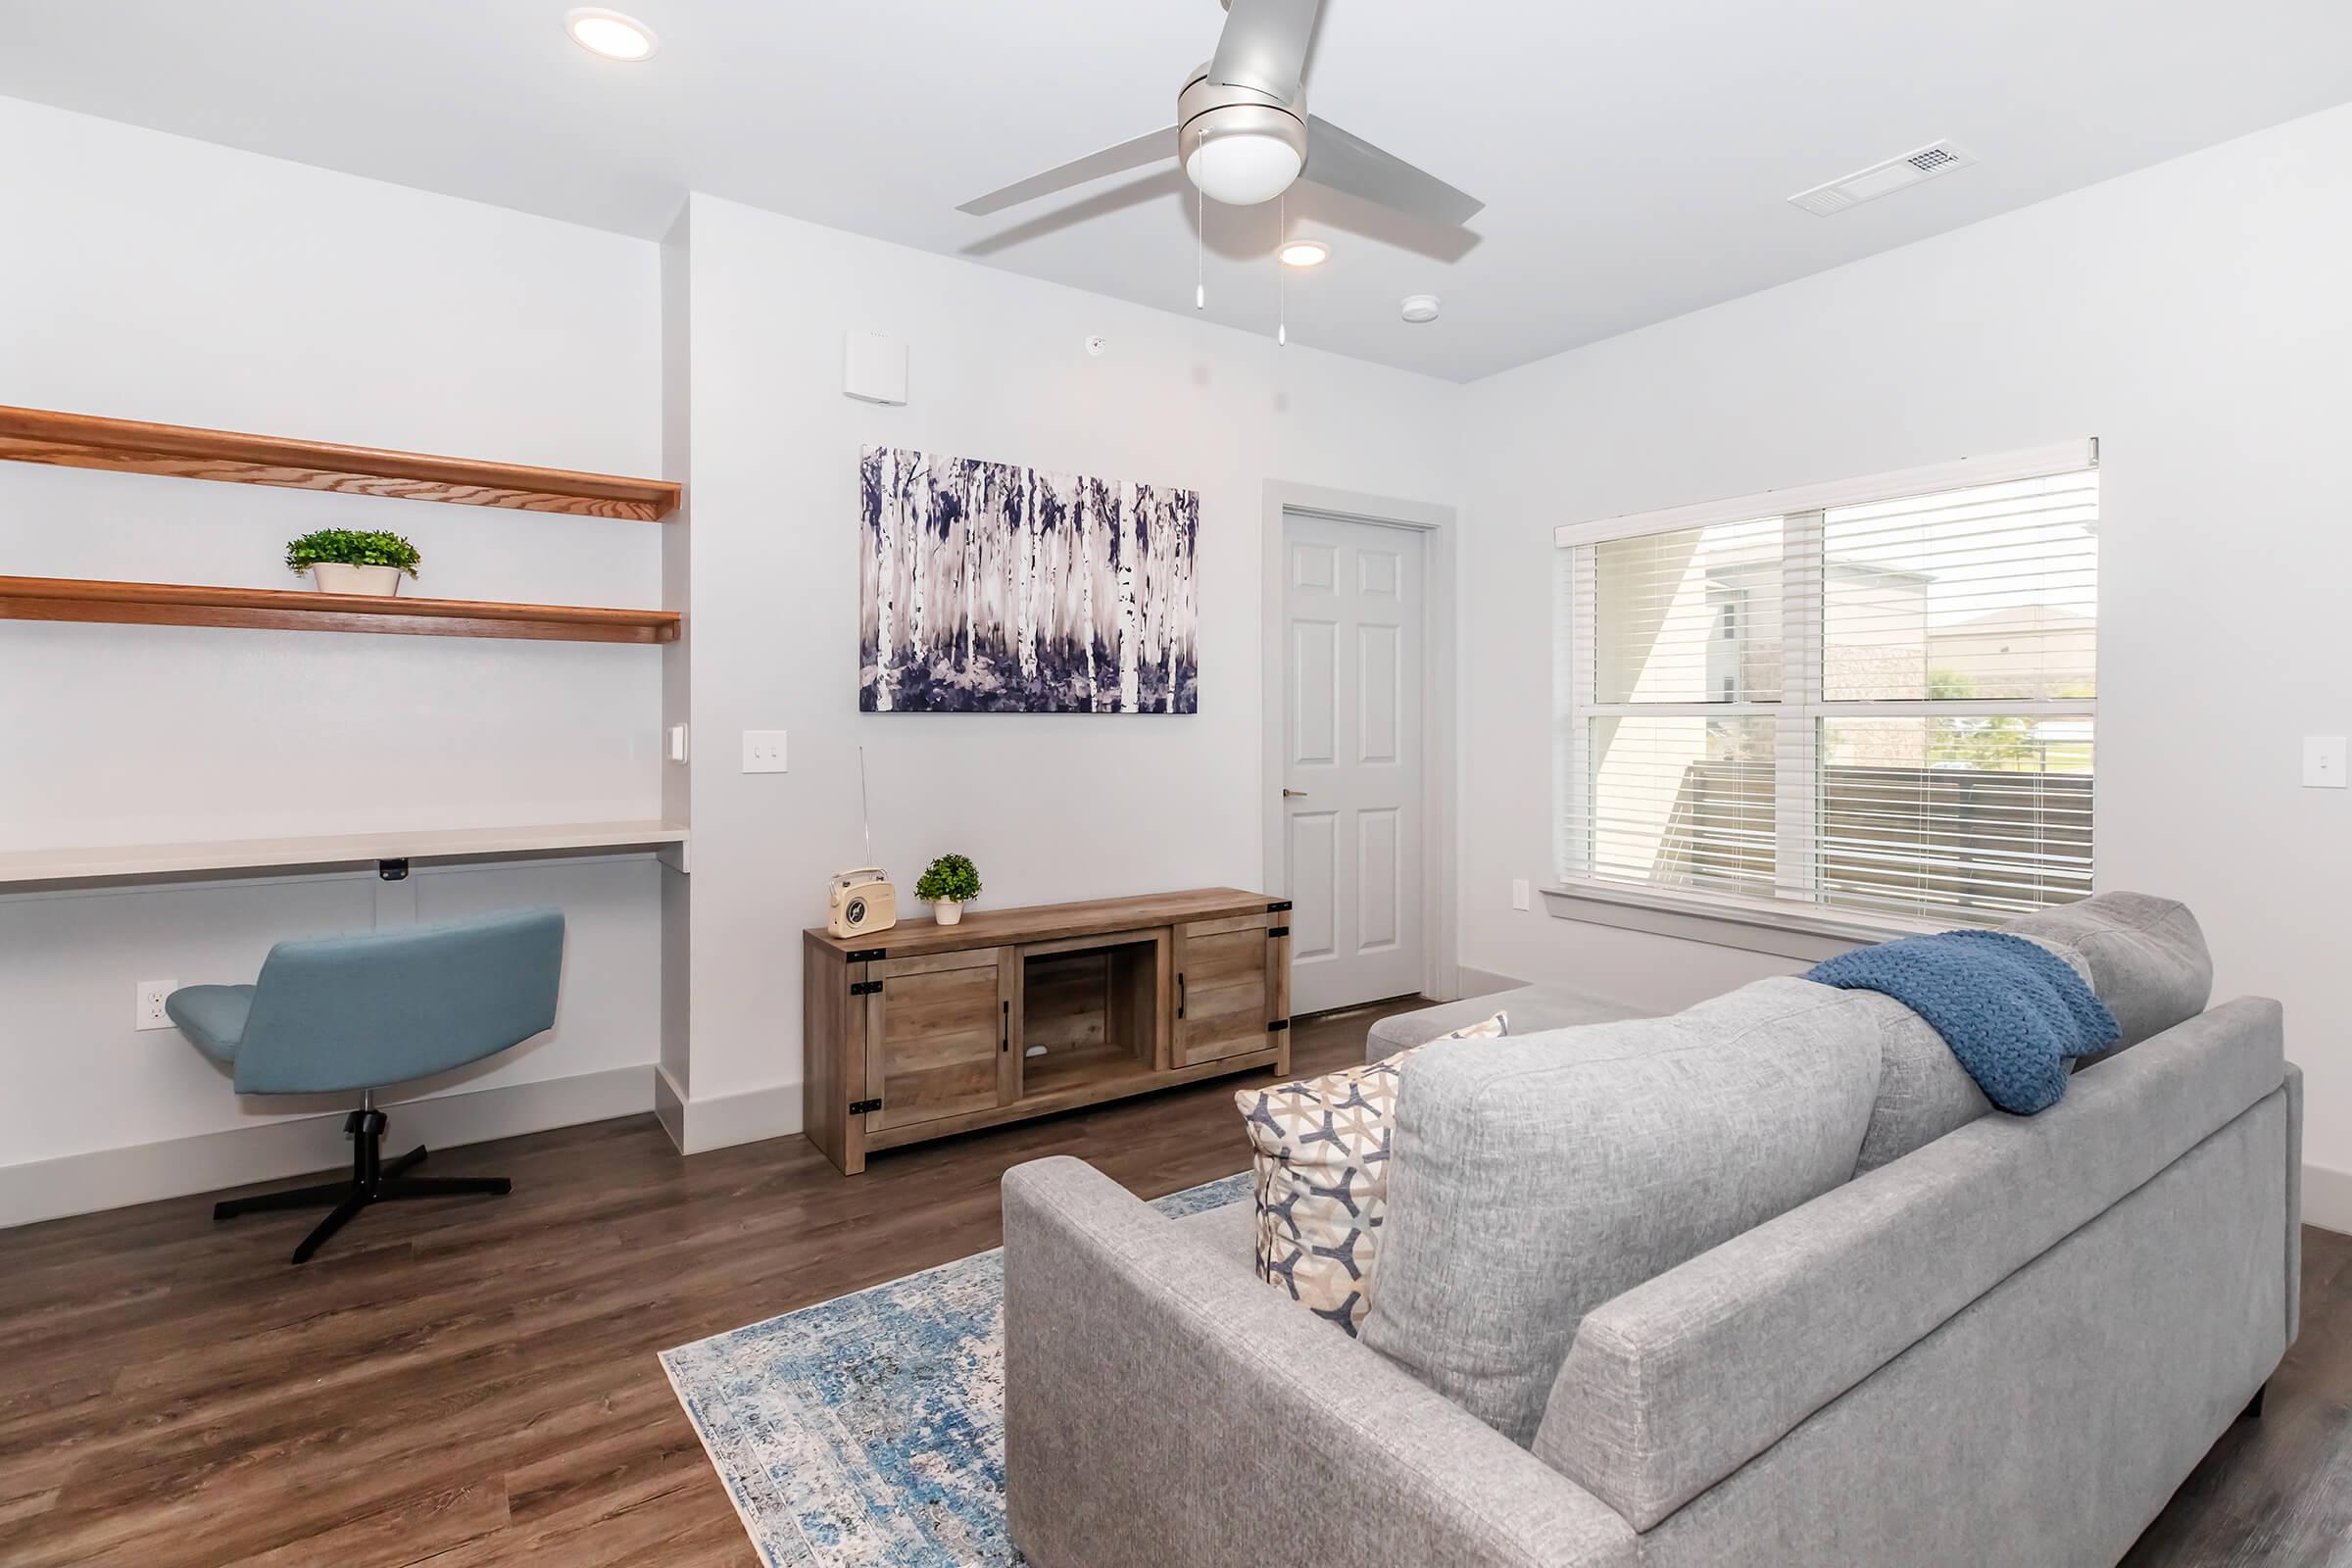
1149 148
1264 45
1350 163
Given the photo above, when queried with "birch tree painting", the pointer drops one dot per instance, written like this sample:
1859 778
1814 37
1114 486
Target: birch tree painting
989 588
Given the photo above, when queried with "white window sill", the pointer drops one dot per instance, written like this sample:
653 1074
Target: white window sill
1788 931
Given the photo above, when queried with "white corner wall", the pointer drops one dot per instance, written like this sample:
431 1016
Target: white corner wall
154 277
2193 317
1051 806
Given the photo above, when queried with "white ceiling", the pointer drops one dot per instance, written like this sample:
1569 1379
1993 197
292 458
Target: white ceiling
1634 157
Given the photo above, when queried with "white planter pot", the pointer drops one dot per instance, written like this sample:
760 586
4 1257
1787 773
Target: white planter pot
335 577
947 912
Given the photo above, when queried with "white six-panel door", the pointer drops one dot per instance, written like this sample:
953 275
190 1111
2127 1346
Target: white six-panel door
1351 760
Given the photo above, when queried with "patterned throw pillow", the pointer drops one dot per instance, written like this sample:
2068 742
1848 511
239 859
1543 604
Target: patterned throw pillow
1321 1149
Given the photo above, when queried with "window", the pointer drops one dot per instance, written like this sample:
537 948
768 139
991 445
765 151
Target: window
1876 696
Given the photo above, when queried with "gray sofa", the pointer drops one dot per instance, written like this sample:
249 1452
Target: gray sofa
1762 1284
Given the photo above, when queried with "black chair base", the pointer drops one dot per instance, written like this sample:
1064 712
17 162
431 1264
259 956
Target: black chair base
371 1182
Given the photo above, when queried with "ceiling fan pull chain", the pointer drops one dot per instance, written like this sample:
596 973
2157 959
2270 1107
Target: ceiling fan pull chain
1281 284
1201 242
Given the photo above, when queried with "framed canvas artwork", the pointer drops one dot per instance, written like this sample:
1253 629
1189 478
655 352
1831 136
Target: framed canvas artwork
990 588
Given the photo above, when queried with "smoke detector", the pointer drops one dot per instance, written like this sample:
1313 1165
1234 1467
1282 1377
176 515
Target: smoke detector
1868 184
1419 308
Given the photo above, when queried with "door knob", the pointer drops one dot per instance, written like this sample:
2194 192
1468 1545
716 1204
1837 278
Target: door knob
1293 795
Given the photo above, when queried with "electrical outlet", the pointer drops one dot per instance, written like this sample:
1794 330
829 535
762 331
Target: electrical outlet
1519 892
151 1013
763 750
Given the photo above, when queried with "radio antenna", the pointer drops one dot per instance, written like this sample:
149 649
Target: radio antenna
864 810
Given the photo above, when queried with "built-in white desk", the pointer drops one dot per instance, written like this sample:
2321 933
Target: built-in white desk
154 863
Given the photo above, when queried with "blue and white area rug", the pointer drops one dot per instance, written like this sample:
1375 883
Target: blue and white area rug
870 1429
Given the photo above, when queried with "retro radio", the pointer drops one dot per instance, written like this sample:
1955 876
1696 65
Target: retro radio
861 901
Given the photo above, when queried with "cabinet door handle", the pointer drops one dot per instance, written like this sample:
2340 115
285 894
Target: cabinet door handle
1004 1033
1180 995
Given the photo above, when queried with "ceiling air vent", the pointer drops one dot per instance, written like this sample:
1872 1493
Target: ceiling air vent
1866 184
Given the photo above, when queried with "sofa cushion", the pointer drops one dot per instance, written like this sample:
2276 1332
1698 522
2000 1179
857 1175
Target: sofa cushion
2148 959
1319 1149
1532 1009
1924 1092
2143 957
1536 1177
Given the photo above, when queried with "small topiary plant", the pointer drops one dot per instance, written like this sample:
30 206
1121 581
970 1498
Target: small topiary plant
346 547
949 878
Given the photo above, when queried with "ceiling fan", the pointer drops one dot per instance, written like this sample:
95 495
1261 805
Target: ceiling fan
1243 136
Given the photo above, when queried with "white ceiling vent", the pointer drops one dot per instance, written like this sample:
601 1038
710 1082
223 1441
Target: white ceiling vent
1866 184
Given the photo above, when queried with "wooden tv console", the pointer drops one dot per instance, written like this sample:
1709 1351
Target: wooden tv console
926 1030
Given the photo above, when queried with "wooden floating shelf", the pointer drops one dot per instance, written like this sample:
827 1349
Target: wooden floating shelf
164 604
132 446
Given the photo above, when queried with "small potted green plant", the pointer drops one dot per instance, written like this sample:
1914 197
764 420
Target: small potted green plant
342 561
947 884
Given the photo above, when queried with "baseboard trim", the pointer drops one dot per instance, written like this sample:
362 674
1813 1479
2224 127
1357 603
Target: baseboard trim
1482 983
2328 1199
113 1178
722 1121
669 1108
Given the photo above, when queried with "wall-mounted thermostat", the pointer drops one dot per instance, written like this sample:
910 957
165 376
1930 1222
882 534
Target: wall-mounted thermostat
875 368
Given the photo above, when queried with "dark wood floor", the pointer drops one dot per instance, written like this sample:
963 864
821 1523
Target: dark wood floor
473 1381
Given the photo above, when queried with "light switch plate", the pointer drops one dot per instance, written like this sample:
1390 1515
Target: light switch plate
1519 892
2323 761
763 750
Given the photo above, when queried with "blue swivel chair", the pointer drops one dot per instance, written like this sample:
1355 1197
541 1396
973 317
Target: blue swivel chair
355 1014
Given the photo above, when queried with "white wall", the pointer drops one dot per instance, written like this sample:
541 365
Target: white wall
2193 317
153 278
2188 316
1051 806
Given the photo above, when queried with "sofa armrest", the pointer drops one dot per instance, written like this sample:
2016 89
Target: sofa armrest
1163 1406
1684 1379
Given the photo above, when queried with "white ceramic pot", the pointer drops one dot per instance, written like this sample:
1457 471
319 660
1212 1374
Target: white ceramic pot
947 912
336 577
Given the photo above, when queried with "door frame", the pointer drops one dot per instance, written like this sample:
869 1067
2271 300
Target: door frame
1441 969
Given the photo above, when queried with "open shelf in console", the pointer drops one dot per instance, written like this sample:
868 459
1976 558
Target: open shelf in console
1090 1012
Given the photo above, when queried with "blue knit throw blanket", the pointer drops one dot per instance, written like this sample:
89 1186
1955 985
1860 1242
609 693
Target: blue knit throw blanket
2012 1011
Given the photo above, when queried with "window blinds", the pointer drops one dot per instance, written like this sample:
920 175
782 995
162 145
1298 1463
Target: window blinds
1883 703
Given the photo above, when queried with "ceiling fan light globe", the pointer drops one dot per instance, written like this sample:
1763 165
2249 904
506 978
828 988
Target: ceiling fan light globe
1242 171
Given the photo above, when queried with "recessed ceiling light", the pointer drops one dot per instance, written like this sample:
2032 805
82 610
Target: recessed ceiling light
1306 253
609 33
